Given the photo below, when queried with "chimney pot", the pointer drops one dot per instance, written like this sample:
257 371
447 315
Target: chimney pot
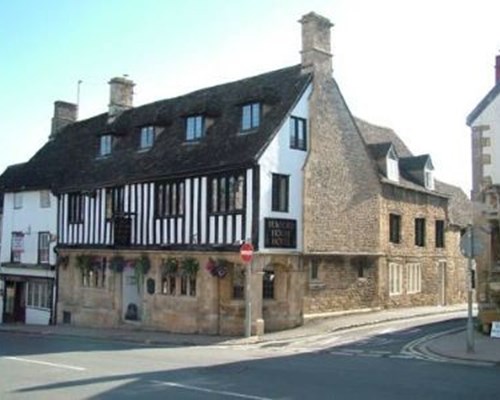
64 114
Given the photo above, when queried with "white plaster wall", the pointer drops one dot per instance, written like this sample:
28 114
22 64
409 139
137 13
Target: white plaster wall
491 116
30 219
37 316
279 158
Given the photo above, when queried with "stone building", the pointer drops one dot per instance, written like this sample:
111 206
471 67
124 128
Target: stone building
484 121
154 202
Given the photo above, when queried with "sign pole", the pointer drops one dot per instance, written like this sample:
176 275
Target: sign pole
248 300
246 252
470 327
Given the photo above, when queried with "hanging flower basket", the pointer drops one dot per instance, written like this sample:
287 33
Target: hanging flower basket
190 266
217 267
84 262
117 264
170 266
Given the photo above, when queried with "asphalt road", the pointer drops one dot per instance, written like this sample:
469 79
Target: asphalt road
368 363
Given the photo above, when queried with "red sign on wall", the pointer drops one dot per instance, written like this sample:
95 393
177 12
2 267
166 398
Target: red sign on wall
246 252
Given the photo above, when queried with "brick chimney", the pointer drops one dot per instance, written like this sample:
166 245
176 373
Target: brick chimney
64 114
497 69
316 51
121 95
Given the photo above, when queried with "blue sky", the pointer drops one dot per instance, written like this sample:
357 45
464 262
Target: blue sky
418 67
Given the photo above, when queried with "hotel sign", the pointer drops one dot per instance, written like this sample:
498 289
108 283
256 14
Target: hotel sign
280 233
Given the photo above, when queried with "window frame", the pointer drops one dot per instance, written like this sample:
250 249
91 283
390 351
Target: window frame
18 200
295 142
75 208
39 294
414 278
227 193
280 196
440 234
394 228
105 145
395 279
15 256
147 137
114 202
195 127
44 250
420 226
169 198
45 199
250 116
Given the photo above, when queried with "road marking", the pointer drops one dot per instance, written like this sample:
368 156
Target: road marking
212 391
65 366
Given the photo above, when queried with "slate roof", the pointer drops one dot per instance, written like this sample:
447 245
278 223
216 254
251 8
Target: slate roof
414 162
70 162
485 102
379 150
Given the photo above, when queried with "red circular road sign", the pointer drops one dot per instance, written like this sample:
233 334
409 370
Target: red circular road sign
246 252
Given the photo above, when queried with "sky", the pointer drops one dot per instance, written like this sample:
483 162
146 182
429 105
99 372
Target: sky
416 66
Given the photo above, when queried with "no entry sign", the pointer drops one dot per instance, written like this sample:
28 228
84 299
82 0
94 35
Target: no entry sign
246 252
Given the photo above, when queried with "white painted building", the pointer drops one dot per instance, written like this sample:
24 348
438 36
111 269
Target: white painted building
27 259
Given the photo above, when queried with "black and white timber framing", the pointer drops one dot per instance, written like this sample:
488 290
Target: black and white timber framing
94 219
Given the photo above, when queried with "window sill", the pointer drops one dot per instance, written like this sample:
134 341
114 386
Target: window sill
317 285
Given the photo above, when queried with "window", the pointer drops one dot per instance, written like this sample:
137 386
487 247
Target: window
168 283
420 232
147 137
414 278
395 279
114 202
298 133
105 145
250 116
394 228
44 198
95 275
238 281
268 284
195 127
439 233
392 166
17 247
314 270
39 294
75 208
280 193
227 193
485 141
169 199
486 159
18 200
43 247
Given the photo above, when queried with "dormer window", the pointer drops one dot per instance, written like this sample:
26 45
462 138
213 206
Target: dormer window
147 137
250 116
105 145
429 175
195 128
392 166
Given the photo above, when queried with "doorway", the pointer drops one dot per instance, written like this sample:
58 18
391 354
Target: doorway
15 302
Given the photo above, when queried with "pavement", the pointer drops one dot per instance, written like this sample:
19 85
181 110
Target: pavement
445 346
